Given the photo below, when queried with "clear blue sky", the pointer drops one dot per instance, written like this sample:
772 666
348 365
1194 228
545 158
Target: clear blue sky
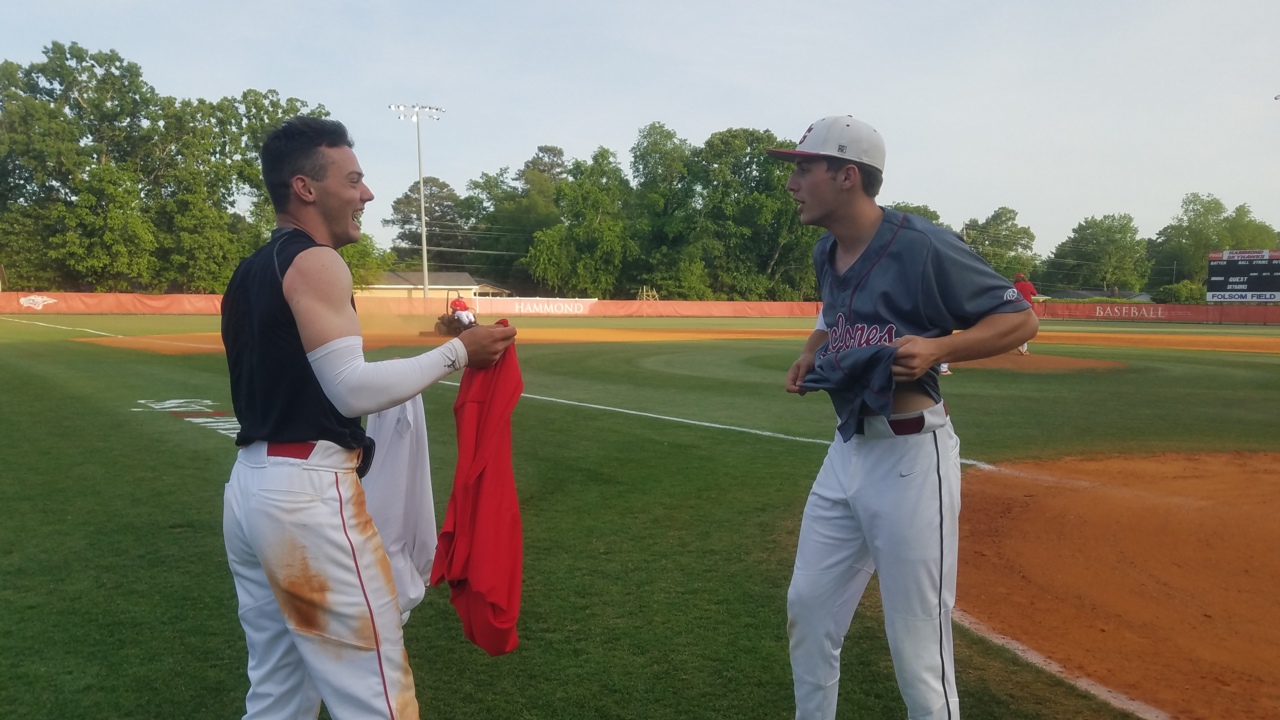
1060 110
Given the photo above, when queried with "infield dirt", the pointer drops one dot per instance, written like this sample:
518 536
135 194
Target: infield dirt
1155 576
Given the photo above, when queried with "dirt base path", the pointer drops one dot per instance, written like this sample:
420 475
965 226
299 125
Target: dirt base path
1156 576
1014 360
212 342
1228 343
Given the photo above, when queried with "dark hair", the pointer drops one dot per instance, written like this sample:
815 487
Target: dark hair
293 149
872 178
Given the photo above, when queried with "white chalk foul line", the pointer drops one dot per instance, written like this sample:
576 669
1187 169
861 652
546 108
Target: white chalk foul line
60 327
1107 695
1124 702
107 334
717 426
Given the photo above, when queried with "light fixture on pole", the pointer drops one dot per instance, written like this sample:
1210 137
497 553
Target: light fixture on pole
416 114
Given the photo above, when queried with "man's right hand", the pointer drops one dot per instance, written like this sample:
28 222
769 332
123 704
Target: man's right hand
801 367
485 343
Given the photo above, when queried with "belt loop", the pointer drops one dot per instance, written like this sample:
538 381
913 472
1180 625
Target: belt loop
366 458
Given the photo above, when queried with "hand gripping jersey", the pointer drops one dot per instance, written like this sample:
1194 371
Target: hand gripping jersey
481 550
914 278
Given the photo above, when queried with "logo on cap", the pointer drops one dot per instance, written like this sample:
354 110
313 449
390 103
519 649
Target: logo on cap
842 148
805 135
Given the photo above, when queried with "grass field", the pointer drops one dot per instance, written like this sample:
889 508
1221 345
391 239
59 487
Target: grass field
657 553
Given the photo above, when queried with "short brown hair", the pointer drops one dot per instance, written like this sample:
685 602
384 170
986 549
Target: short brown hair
872 178
294 149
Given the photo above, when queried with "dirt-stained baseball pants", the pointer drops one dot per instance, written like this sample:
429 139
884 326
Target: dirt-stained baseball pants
317 599
889 503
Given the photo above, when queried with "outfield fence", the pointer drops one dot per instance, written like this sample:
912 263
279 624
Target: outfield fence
137 304
1144 312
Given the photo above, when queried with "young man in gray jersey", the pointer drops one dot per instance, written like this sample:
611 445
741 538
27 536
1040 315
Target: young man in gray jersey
894 287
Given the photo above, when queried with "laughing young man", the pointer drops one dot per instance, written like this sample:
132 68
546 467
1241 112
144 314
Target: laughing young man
316 597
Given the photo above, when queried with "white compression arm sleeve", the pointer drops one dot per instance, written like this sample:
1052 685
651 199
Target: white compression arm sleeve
822 323
357 388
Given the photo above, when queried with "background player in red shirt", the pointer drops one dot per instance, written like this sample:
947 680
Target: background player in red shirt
462 312
1027 291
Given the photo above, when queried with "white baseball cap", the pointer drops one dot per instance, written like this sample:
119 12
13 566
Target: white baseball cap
838 136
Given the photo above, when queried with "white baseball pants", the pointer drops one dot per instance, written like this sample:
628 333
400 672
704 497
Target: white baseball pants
317 599
890 503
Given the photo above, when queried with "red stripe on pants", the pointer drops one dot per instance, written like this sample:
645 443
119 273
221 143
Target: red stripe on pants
377 645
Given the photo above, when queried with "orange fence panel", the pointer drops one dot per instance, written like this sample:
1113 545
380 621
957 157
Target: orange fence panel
108 304
379 307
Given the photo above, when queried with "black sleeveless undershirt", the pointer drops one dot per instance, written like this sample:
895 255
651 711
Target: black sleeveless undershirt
274 391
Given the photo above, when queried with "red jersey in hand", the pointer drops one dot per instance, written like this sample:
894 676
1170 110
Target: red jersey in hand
481 550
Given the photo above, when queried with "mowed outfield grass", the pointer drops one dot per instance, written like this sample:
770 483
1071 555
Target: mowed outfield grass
657 553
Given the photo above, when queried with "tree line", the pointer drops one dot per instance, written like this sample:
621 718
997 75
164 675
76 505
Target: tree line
715 222
106 185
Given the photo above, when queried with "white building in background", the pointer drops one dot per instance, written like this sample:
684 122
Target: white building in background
408 284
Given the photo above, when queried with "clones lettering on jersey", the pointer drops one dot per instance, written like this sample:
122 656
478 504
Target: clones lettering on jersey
843 336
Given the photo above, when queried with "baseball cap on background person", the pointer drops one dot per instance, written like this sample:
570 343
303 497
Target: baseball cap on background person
837 136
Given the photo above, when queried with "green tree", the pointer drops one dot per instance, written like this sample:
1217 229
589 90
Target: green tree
1205 225
502 214
1101 253
367 261
1002 242
105 241
444 227
746 227
105 184
584 253
190 192
923 211
244 123
1186 292
662 216
548 161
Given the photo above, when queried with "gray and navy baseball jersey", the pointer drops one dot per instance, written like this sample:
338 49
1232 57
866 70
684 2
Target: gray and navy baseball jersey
914 278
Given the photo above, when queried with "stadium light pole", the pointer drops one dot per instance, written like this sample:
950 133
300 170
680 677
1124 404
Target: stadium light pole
416 114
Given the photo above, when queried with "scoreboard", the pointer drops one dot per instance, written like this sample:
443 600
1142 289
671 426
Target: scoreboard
1244 276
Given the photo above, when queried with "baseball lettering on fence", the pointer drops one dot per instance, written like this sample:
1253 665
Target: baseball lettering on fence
1130 311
